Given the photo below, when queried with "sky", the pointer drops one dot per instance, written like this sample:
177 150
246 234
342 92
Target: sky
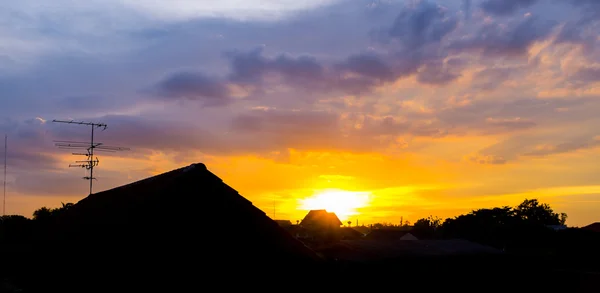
381 110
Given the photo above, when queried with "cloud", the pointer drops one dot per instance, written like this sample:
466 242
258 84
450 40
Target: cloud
505 7
503 125
534 145
252 68
420 24
491 78
434 79
486 159
194 86
283 129
369 66
587 75
553 149
144 134
437 73
467 6
498 40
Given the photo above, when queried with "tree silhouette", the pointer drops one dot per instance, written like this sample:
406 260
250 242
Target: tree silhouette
563 218
535 213
522 227
426 227
46 215
14 229
42 214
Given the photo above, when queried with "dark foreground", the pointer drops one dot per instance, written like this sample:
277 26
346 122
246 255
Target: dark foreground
144 273
187 231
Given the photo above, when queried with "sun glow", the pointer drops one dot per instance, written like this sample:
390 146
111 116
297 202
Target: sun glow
343 203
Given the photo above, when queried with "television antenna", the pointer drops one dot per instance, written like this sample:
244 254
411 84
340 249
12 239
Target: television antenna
90 147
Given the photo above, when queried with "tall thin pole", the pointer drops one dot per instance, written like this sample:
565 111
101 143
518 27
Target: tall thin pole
5 156
91 159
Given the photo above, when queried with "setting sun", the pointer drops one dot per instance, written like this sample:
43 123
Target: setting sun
343 203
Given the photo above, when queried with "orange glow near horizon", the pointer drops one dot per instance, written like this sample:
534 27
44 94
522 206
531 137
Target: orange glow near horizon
343 203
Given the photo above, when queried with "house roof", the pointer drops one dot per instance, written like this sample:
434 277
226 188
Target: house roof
321 216
185 214
593 227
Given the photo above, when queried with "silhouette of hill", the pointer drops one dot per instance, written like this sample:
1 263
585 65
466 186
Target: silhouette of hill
182 226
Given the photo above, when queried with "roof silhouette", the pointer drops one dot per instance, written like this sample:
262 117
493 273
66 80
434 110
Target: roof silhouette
167 223
321 217
592 227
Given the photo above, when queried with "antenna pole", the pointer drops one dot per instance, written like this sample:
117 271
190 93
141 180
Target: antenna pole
92 158
5 152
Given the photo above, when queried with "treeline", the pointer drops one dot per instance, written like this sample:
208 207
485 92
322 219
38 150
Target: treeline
16 229
494 226
531 228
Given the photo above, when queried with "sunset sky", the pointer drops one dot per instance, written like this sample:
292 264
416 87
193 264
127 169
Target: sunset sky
379 109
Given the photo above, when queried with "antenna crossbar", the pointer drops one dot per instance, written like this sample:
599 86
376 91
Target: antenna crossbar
81 123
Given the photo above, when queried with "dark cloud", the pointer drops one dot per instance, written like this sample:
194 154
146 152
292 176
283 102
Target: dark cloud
368 65
420 24
415 41
360 73
194 86
498 40
582 31
505 7
252 67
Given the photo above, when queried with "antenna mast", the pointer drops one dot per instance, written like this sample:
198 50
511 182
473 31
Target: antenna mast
90 162
5 152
